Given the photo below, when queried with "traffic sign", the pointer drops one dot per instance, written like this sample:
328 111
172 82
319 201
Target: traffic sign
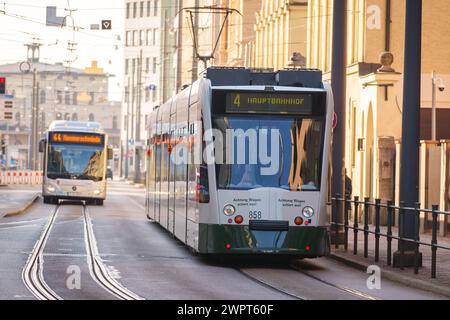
106 24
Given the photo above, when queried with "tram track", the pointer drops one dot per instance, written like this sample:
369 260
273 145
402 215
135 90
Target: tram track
98 269
33 272
266 284
347 290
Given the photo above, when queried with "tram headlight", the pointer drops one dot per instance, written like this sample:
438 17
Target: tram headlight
229 210
308 212
51 189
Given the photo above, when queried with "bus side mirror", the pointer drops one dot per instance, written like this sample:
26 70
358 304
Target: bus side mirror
110 154
42 145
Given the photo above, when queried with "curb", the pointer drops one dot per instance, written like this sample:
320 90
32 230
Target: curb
24 208
393 276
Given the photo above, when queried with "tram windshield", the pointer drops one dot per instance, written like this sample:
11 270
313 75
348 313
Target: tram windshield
78 162
279 152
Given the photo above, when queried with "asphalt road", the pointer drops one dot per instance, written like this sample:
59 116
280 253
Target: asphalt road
114 252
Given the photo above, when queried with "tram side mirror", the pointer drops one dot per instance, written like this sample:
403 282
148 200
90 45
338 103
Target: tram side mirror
110 154
42 145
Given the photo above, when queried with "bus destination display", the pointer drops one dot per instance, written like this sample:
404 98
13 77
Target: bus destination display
72 138
269 103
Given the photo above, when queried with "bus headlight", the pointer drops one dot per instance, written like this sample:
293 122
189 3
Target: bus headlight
96 192
229 210
51 189
308 212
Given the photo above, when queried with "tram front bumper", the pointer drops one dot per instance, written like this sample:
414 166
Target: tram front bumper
308 242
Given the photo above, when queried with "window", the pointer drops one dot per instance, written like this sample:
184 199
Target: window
67 97
91 117
133 65
42 97
59 116
67 116
74 117
127 94
154 36
114 122
141 9
155 12
149 6
135 35
128 10
59 97
147 65
141 38
134 9
127 66
155 92
155 65
75 98
149 37
299 167
92 98
147 94
127 38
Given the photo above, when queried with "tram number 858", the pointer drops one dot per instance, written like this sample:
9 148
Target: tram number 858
255 215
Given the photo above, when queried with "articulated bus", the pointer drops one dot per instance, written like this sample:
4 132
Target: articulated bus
238 163
75 156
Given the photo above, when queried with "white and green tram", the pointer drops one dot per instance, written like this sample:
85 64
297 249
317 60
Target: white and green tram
75 162
238 163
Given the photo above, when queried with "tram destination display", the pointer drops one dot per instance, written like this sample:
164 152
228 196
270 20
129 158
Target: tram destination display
76 138
269 103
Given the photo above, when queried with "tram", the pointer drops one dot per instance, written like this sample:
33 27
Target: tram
75 156
238 163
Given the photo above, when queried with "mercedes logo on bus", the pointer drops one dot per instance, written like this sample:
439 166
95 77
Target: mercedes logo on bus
74 188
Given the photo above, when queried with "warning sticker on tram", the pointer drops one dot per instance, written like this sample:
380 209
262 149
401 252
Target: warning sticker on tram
61 137
247 102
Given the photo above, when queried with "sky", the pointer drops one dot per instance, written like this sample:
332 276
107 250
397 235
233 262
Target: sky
23 21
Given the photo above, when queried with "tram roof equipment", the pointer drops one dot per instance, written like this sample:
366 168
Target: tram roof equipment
229 76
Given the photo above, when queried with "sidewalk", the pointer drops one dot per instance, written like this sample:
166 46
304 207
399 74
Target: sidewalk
440 285
16 200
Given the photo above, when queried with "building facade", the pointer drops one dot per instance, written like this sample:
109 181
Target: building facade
142 60
281 34
63 94
375 61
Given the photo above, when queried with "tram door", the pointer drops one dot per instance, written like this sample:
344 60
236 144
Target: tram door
172 168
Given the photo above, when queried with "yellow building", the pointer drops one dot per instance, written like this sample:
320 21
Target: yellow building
235 47
374 98
281 31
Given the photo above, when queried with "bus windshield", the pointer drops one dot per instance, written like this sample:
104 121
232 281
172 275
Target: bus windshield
77 162
295 153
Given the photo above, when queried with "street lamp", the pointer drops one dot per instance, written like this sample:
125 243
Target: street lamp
436 83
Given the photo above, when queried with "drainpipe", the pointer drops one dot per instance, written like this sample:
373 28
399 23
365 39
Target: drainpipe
387 46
